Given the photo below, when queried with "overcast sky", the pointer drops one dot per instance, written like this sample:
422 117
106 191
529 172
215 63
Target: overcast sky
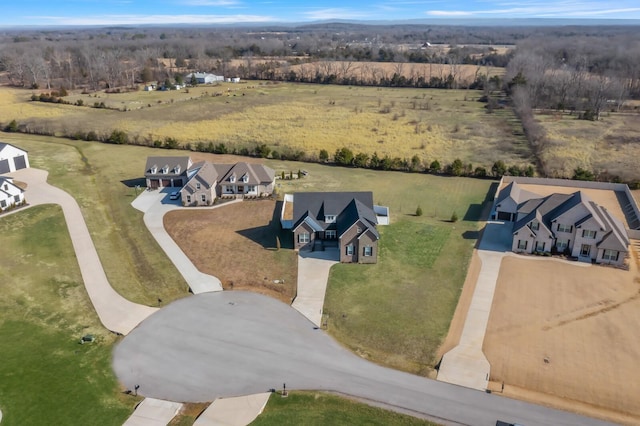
107 12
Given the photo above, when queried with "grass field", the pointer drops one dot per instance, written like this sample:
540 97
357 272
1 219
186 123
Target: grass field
47 376
610 145
429 123
315 408
237 244
372 71
398 311
93 174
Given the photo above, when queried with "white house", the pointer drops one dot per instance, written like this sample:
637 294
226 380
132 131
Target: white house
203 78
12 158
10 194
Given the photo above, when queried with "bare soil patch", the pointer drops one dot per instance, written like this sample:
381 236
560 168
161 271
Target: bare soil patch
569 332
237 244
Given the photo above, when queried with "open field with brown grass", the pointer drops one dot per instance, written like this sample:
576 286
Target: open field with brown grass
237 244
429 123
570 332
463 74
610 145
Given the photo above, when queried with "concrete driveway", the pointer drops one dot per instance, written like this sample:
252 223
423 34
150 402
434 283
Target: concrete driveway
466 365
115 312
226 344
154 205
313 274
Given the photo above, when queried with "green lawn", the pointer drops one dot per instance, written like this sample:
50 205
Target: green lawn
315 408
93 173
47 376
397 312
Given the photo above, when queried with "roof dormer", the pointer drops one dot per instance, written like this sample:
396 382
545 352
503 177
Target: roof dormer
176 169
165 170
232 178
154 170
245 178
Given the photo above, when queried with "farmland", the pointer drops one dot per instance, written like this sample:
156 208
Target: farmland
427 123
610 145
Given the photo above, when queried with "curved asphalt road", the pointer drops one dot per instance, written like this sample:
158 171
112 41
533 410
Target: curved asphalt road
236 343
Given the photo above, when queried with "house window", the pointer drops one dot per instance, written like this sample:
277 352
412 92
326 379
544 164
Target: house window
522 244
3 203
245 178
154 170
330 234
16 198
229 189
176 170
586 233
232 178
585 250
188 198
203 197
350 250
535 225
358 230
540 246
562 245
564 228
303 238
251 188
197 186
610 255
165 170
329 218
367 251
6 187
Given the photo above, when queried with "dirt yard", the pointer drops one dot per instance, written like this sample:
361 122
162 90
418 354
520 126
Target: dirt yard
567 335
237 244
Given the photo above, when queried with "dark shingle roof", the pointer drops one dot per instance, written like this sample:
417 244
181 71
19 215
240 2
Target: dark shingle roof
348 207
170 162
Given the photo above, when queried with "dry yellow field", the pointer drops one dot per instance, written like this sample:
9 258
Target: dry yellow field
429 123
463 74
568 331
610 145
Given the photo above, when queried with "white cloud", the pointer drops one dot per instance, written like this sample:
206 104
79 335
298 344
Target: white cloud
151 19
335 13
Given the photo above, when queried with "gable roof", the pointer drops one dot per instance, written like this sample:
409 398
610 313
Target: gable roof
170 162
347 207
209 174
548 209
3 145
516 193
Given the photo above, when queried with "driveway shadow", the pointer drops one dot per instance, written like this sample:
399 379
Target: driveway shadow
496 236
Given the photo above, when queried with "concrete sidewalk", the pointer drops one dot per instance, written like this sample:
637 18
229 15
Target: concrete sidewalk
154 205
238 411
115 312
313 274
153 412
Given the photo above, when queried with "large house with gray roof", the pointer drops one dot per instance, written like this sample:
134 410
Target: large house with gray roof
207 181
163 172
346 220
563 223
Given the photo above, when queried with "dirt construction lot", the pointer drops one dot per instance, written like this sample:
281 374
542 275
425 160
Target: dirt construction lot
235 241
568 331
